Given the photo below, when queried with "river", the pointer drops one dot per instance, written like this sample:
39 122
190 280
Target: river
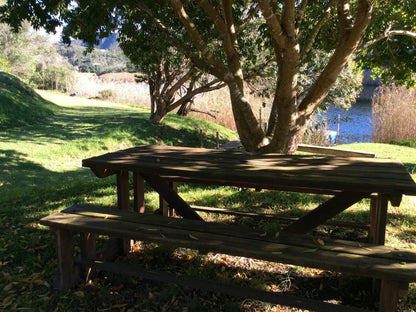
354 125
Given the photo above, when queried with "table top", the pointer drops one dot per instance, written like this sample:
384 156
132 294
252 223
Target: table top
307 173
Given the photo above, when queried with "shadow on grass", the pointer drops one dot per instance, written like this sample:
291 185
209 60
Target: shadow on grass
110 123
305 283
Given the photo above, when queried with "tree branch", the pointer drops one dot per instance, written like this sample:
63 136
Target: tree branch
346 47
315 31
273 21
344 16
252 12
180 82
301 13
216 66
385 35
196 60
211 86
288 19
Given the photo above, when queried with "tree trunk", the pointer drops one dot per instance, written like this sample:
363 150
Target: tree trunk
248 128
185 108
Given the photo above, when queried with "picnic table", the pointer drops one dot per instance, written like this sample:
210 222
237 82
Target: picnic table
348 180
345 180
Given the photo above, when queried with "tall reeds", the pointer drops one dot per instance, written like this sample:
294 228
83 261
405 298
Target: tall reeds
394 114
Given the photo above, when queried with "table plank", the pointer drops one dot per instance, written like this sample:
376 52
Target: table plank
306 172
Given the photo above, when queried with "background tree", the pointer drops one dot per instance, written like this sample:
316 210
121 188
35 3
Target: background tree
172 79
213 36
32 58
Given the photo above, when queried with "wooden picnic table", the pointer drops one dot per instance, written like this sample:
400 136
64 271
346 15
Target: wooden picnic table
348 180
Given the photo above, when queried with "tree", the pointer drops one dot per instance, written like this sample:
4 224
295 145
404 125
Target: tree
32 58
172 79
213 34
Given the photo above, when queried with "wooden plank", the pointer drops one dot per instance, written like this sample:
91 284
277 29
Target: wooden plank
258 215
386 175
334 151
227 289
241 231
253 248
325 211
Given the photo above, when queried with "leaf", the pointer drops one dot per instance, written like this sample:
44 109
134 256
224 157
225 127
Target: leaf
311 250
79 294
319 242
277 235
263 234
193 237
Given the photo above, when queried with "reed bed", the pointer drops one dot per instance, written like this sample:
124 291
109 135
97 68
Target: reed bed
394 114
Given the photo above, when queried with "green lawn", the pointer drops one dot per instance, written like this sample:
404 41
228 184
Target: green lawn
40 172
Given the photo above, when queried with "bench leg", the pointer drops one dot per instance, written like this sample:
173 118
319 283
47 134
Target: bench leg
67 274
88 251
390 293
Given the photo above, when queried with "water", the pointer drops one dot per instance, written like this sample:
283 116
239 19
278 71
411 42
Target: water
354 125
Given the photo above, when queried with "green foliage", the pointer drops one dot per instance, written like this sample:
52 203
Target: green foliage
4 65
33 59
392 57
106 93
403 142
20 105
97 61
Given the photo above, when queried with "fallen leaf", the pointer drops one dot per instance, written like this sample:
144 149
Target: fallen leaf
319 242
193 237
79 294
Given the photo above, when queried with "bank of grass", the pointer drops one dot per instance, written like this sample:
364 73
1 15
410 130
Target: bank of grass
41 173
20 105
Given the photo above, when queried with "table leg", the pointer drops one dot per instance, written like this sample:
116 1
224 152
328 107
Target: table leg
163 204
378 219
138 188
123 186
123 202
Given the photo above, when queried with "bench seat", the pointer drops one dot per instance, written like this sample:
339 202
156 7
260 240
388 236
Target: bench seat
396 268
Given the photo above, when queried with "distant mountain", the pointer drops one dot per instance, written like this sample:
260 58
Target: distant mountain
109 43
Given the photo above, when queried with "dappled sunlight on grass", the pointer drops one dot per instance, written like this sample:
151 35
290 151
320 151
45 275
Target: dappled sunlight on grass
41 173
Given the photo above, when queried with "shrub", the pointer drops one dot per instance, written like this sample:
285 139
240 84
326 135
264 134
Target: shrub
394 114
106 93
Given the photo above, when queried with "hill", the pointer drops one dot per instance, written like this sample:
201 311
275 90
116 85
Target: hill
20 105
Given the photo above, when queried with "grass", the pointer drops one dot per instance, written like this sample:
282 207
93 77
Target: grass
19 104
41 173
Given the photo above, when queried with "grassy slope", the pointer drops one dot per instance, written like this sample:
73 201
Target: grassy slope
20 105
40 172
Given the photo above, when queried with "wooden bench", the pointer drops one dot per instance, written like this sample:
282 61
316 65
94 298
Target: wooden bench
396 268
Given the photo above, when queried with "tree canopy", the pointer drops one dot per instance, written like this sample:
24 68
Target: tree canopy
235 40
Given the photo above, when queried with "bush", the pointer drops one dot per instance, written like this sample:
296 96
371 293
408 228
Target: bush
394 114
409 143
106 93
